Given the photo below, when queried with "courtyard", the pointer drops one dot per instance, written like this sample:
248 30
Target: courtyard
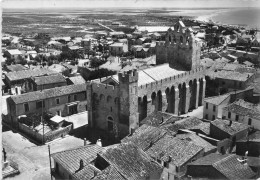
32 160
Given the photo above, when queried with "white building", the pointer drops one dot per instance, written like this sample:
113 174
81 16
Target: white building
118 48
213 106
243 112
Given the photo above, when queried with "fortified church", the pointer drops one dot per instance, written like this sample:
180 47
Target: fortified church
176 85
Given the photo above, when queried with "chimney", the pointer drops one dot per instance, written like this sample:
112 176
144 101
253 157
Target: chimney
246 154
150 144
95 174
161 121
85 142
230 123
81 166
99 143
131 131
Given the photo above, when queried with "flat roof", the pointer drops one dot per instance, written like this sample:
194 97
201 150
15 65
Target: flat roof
57 119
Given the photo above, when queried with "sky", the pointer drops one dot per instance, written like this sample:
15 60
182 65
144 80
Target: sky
10 4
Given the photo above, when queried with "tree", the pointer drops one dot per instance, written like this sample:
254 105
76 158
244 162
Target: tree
9 61
95 62
65 56
37 58
23 62
37 48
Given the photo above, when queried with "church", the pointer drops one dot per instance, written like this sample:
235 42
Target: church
176 85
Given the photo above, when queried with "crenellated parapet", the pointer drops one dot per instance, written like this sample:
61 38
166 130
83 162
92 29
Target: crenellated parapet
105 89
160 43
128 76
185 77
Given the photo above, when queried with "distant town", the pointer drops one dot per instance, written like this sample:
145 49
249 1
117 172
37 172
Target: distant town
177 100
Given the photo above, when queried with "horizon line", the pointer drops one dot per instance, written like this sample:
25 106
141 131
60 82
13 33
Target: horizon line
213 7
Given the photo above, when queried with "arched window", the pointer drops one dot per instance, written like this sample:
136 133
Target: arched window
101 97
181 39
116 100
174 39
110 123
187 40
109 98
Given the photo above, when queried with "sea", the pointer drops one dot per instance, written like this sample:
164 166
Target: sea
246 16
249 17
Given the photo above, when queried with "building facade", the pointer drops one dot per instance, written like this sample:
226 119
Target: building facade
20 82
243 112
117 49
120 102
62 101
213 106
180 47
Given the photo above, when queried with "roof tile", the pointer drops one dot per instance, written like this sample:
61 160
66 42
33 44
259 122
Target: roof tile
48 93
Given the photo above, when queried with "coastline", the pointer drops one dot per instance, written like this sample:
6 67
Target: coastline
208 17
234 18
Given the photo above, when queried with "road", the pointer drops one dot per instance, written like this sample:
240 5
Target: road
195 113
32 160
106 27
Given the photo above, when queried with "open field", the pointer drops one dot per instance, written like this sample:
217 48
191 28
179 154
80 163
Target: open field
80 22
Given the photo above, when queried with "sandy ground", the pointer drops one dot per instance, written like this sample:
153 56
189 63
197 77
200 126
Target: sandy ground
32 160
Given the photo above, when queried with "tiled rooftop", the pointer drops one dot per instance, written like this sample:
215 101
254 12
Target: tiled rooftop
224 126
255 137
204 127
157 118
216 100
231 75
244 108
145 135
228 165
174 150
48 93
70 159
186 123
77 80
233 169
56 78
12 76
209 159
198 141
16 67
130 161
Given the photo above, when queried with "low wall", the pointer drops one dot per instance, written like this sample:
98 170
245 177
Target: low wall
57 133
30 132
48 136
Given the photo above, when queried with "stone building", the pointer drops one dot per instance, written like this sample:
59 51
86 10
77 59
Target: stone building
118 103
180 47
243 112
62 101
20 82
